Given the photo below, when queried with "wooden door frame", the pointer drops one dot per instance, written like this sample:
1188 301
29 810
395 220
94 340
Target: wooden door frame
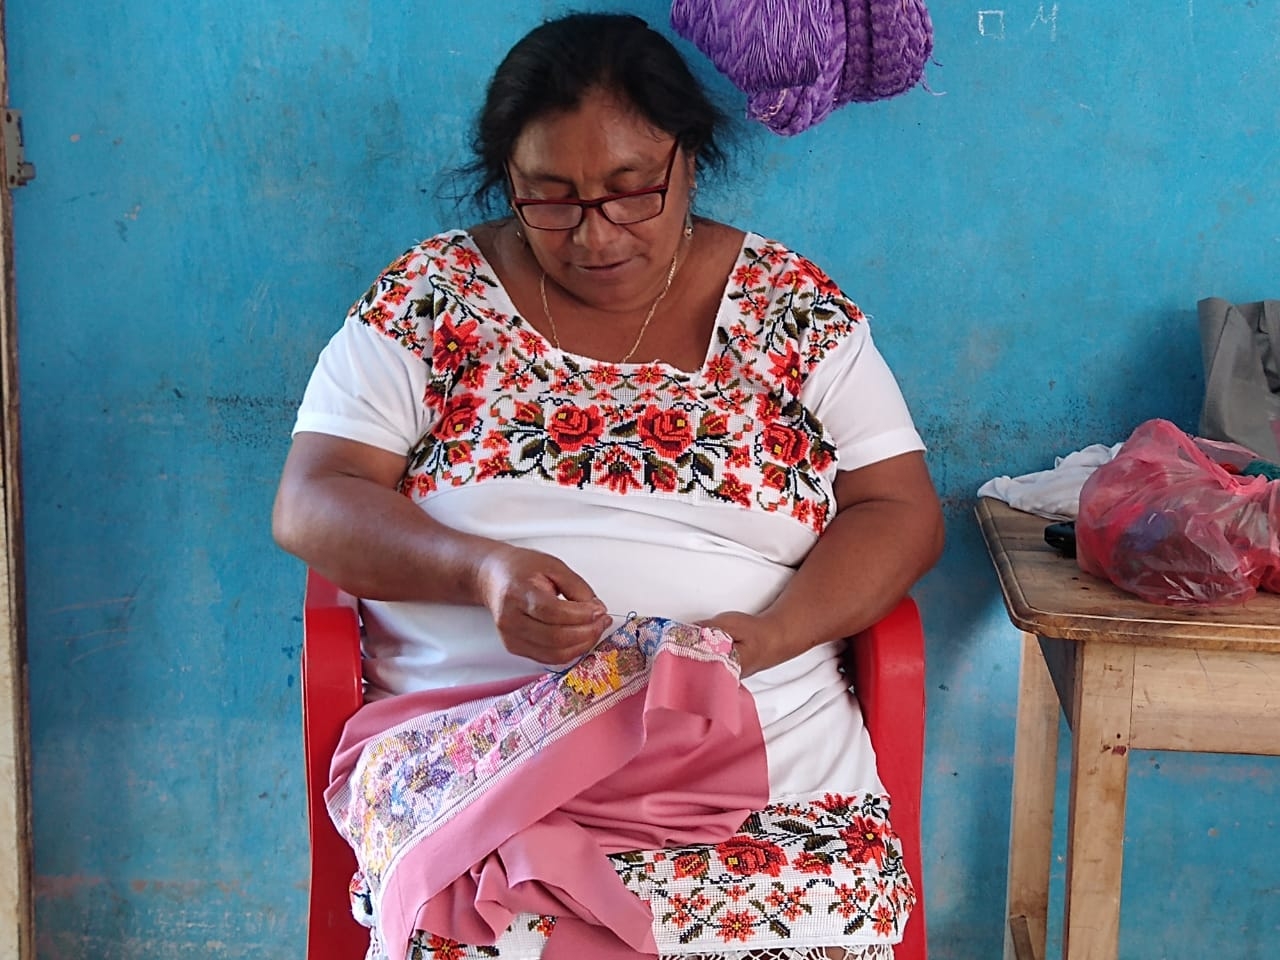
17 909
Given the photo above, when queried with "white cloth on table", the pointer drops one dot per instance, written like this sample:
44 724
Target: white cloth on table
1053 494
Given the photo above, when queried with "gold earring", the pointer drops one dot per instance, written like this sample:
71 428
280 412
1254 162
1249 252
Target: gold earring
515 222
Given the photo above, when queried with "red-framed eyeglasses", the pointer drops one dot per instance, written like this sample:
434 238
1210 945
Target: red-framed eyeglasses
634 206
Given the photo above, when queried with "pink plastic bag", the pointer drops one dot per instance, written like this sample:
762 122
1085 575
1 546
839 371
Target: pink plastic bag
1166 521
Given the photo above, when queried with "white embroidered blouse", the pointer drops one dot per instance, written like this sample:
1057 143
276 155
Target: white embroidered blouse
672 493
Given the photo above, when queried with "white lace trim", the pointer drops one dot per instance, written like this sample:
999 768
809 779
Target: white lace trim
874 951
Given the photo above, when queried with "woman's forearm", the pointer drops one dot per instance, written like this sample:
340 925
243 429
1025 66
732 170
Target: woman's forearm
377 544
885 535
864 562
338 510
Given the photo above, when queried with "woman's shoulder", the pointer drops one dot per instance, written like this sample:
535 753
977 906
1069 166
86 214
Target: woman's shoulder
402 302
774 266
793 305
433 254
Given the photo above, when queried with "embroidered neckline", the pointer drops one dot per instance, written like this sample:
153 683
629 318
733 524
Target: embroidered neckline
503 402
648 317
513 320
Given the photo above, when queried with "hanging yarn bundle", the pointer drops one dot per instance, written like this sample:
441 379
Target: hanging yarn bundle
797 60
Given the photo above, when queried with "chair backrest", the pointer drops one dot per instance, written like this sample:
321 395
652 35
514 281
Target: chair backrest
331 692
886 663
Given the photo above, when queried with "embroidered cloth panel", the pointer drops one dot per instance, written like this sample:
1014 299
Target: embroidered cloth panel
824 872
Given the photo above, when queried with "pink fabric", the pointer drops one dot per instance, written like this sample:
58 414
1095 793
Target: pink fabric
674 756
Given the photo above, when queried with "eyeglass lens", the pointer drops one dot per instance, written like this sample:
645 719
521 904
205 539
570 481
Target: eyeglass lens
566 216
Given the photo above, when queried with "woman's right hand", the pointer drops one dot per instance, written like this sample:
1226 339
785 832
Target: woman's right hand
542 609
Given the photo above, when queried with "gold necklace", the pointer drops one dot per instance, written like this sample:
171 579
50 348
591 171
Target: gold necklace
555 336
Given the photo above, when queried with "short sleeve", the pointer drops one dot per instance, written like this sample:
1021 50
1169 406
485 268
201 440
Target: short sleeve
367 387
855 395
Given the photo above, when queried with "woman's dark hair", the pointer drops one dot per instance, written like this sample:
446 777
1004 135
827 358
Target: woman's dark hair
555 64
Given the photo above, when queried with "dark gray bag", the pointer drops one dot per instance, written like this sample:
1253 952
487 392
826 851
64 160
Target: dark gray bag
1241 349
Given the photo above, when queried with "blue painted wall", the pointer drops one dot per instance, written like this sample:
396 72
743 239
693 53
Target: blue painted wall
217 182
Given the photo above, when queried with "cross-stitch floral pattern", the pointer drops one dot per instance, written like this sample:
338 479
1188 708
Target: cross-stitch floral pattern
815 872
412 779
733 432
826 872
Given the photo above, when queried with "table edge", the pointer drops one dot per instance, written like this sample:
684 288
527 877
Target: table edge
1094 626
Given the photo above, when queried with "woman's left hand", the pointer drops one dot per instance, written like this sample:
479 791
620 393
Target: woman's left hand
758 640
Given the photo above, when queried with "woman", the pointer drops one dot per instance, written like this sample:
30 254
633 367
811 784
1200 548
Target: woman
603 405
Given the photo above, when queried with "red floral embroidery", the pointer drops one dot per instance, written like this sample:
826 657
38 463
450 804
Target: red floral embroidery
495 466
837 803
691 865
543 924
573 428
786 367
748 275
747 856
379 316
433 397
713 425
605 375
734 490
458 416
885 920
788 903
504 403
467 258
662 476
474 375
570 473
529 413
774 476
865 839
453 345
736 925
418 486
442 948
847 906
813 273
813 863
649 375
620 471
785 445
532 344
669 431
720 370
768 407
395 294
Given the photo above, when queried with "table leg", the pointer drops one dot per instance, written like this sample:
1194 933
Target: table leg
1035 764
1102 707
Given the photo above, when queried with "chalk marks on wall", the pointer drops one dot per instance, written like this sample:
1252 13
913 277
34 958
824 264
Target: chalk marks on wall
1051 21
991 23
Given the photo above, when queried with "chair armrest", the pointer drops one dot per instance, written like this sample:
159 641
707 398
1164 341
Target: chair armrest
887 662
332 686
889 674
332 691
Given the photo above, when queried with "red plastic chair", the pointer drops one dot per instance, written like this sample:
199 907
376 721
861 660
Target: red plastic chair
888 669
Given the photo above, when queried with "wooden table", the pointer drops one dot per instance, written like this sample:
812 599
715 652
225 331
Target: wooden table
1128 675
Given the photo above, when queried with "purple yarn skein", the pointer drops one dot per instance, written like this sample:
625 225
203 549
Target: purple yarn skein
797 60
